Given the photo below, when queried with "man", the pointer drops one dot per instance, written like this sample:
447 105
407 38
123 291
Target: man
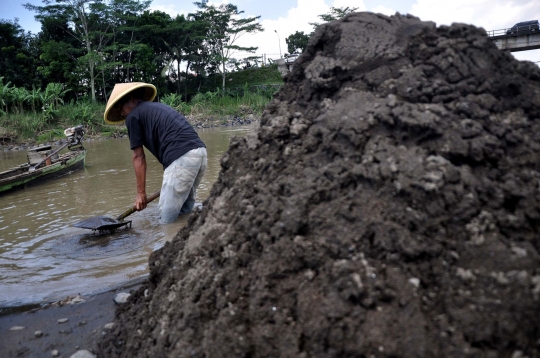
169 137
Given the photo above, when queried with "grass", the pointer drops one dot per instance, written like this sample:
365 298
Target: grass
248 93
254 77
31 127
212 104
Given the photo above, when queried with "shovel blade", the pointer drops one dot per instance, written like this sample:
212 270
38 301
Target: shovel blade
100 223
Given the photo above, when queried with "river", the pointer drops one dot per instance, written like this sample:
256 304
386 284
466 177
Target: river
44 259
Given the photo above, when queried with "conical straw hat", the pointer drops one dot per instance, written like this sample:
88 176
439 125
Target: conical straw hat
112 115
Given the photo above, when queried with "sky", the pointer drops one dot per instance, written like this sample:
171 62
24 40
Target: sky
281 18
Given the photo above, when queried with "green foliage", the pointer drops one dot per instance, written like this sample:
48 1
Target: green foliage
246 100
81 113
29 126
90 45
50 135
54 94
19 96
48 112
18 55
335 13
25 126
253 76
297 42
172 100
58 63
5 95
45 113
34 97
84 112
225 27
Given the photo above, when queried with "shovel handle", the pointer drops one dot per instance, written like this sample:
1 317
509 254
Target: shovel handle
133 209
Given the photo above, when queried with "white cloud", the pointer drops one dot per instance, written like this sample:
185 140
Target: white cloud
169 9
383 10
350 4
297 19
488 14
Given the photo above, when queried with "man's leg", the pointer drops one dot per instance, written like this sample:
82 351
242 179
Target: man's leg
180 181
190 201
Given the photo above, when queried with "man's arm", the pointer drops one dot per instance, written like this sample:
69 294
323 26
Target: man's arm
139 163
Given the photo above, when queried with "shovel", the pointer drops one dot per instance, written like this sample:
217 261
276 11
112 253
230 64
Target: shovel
103 223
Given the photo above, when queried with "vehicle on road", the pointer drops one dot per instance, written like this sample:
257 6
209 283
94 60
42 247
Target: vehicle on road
524 28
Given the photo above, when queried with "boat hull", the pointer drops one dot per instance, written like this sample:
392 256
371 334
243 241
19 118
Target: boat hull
20 176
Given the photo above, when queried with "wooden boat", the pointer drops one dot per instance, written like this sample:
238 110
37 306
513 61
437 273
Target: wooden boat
45 163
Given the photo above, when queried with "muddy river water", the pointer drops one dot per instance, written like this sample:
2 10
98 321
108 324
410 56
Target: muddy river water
43 258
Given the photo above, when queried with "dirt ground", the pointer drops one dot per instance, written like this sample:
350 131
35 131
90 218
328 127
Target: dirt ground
87 320
389 206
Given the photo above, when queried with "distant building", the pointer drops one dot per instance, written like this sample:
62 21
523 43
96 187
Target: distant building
285 64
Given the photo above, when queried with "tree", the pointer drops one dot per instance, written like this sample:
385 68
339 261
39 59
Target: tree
58 54
94 25
177 37
186 40
224 28
4 95
53 95
17 55
127 15
20 95
150 55
335 13
34 97
297 42
77 13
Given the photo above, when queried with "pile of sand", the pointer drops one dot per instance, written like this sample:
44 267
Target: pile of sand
388 206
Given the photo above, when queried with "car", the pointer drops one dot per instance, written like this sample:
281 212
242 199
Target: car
291 58
524 28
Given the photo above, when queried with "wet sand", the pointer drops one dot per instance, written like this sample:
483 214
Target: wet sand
85 325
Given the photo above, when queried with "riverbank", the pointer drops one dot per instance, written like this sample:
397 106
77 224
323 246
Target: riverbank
204 110
196 122
60 329
97 311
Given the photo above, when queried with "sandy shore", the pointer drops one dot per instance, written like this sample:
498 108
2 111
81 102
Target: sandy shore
86 323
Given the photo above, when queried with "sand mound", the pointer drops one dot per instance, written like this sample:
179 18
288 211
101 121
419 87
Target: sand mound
388 206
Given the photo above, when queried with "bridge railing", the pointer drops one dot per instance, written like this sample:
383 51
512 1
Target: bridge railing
515 31
493 33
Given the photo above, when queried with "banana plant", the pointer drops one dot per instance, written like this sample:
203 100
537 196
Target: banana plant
5 95
20 95
53 94
172 100
34 97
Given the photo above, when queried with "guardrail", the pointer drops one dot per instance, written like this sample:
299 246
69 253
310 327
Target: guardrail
515 31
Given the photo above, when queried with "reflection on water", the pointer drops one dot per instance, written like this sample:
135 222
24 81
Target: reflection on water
42 258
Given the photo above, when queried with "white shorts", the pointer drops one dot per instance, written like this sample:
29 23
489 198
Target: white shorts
180 182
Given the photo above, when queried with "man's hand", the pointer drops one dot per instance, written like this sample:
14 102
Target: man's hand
140 201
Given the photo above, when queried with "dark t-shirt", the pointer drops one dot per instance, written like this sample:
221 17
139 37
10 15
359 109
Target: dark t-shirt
162 130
